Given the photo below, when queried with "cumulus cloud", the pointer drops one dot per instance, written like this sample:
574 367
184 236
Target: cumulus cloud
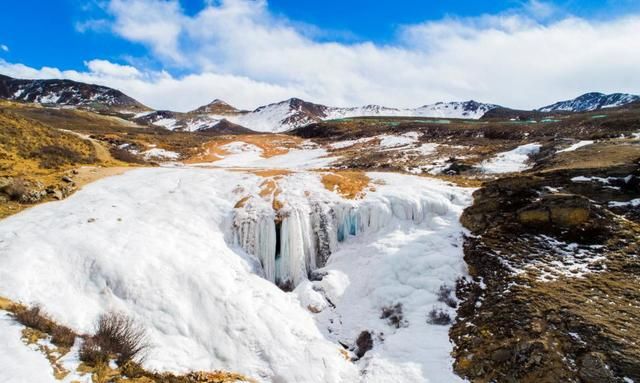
4 48
239 51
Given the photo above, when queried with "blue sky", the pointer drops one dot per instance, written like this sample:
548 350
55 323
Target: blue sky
51 37
401 53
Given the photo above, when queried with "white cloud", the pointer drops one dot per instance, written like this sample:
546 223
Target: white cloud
237 50
4 48
540 9
156 23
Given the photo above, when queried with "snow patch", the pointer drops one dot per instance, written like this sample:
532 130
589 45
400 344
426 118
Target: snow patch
576 146
160 154
19 363
512 161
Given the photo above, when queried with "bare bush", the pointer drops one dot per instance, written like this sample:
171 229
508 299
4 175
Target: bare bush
33 317
445 295
438 317
36 318
62 336
394 316
117 335
92 354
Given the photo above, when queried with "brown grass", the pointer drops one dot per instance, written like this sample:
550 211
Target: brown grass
271 172
349 184
271 145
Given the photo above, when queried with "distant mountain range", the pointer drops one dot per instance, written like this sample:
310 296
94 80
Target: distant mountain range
591 101
273 118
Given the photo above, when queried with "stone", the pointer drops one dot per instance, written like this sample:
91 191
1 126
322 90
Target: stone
566 210
593 369
364 343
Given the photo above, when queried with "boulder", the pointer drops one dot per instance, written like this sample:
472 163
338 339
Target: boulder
593 369
564 210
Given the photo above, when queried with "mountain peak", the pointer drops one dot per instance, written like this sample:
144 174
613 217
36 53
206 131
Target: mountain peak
591 101
217 106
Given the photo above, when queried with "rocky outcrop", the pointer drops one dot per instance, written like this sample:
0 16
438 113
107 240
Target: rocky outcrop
553 291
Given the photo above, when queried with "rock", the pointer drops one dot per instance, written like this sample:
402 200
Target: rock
501 355
566 210
57 194
364 343
593 369
67 179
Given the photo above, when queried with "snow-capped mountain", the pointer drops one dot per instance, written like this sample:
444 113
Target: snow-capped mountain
68 93
592 101
189 122
294 113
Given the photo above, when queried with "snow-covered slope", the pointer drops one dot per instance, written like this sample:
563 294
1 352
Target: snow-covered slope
159 244
592 101
294 113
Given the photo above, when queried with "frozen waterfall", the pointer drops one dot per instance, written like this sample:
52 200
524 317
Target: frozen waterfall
296 240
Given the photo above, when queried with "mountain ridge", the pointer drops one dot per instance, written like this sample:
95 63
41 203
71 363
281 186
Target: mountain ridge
591 101
275 117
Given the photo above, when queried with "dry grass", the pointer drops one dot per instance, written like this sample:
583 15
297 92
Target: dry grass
598 155
271 172
349 184
271 145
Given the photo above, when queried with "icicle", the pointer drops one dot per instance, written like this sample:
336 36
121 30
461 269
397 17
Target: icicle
255 232
296 252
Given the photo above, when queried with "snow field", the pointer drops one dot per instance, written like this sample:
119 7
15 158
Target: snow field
159 245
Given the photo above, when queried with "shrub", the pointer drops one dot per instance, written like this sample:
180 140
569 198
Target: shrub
92 354
62 336
118 335
33 317
393 315
438 317
445 295
36 318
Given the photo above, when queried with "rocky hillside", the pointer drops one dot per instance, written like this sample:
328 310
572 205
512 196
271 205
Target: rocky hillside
68 93
294 113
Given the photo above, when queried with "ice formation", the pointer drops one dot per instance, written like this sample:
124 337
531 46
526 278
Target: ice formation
299 238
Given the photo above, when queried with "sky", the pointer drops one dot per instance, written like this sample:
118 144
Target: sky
172 54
